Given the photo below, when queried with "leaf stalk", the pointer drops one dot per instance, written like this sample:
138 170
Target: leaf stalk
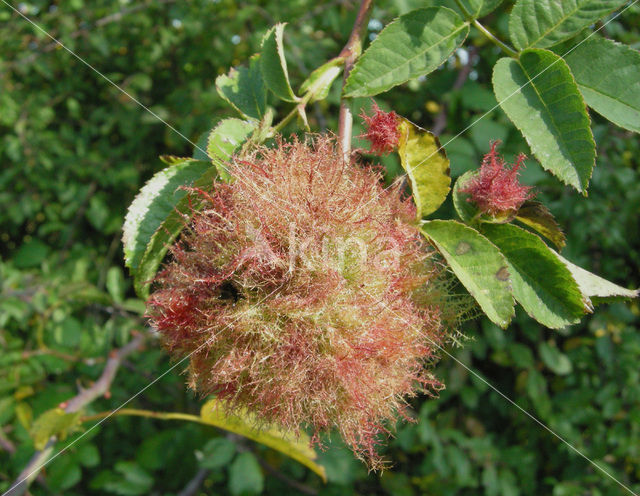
488 34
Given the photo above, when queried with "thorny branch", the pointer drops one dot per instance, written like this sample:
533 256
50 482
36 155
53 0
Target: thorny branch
350 53
82 399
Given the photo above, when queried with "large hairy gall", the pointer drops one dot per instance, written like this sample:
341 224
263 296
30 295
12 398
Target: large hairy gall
304 292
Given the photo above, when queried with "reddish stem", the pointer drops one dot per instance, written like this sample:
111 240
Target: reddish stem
350 53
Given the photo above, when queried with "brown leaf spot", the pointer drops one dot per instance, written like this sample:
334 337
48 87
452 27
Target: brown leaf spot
462 248
502 274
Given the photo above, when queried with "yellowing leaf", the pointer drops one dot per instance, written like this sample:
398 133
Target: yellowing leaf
54 422
214 413
24 414
535 215
427 166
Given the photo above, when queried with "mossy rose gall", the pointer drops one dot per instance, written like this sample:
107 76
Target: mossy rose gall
304 291
496 188
382 130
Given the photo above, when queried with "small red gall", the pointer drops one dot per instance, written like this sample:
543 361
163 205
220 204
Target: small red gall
496 189
383 130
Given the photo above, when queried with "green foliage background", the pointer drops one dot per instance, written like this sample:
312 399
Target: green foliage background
74 151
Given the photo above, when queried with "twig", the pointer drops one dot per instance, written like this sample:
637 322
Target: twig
6 444
194 484
102 385
298 486
350 53
82 399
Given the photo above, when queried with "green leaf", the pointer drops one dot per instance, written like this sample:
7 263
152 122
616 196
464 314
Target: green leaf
488 6
479 265
245 475
217 453
274 65
155 201
199 150
465 209
134 480
63 473
413 45
68 332
173 210
536 216
225 139
544 23
539 95
537 390
319 82
294 446
244 89
54 422
480 8
173 159
541 283
134 305
477 8
264 129
115 283
24 415
427 166
128 479
30 254
608 76
596 288
88 455
554 359
7 409
167 231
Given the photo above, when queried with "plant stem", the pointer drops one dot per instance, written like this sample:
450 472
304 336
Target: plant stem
193 487
287 118
233 427
143 413
351 52
83 398
467 15
506 48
